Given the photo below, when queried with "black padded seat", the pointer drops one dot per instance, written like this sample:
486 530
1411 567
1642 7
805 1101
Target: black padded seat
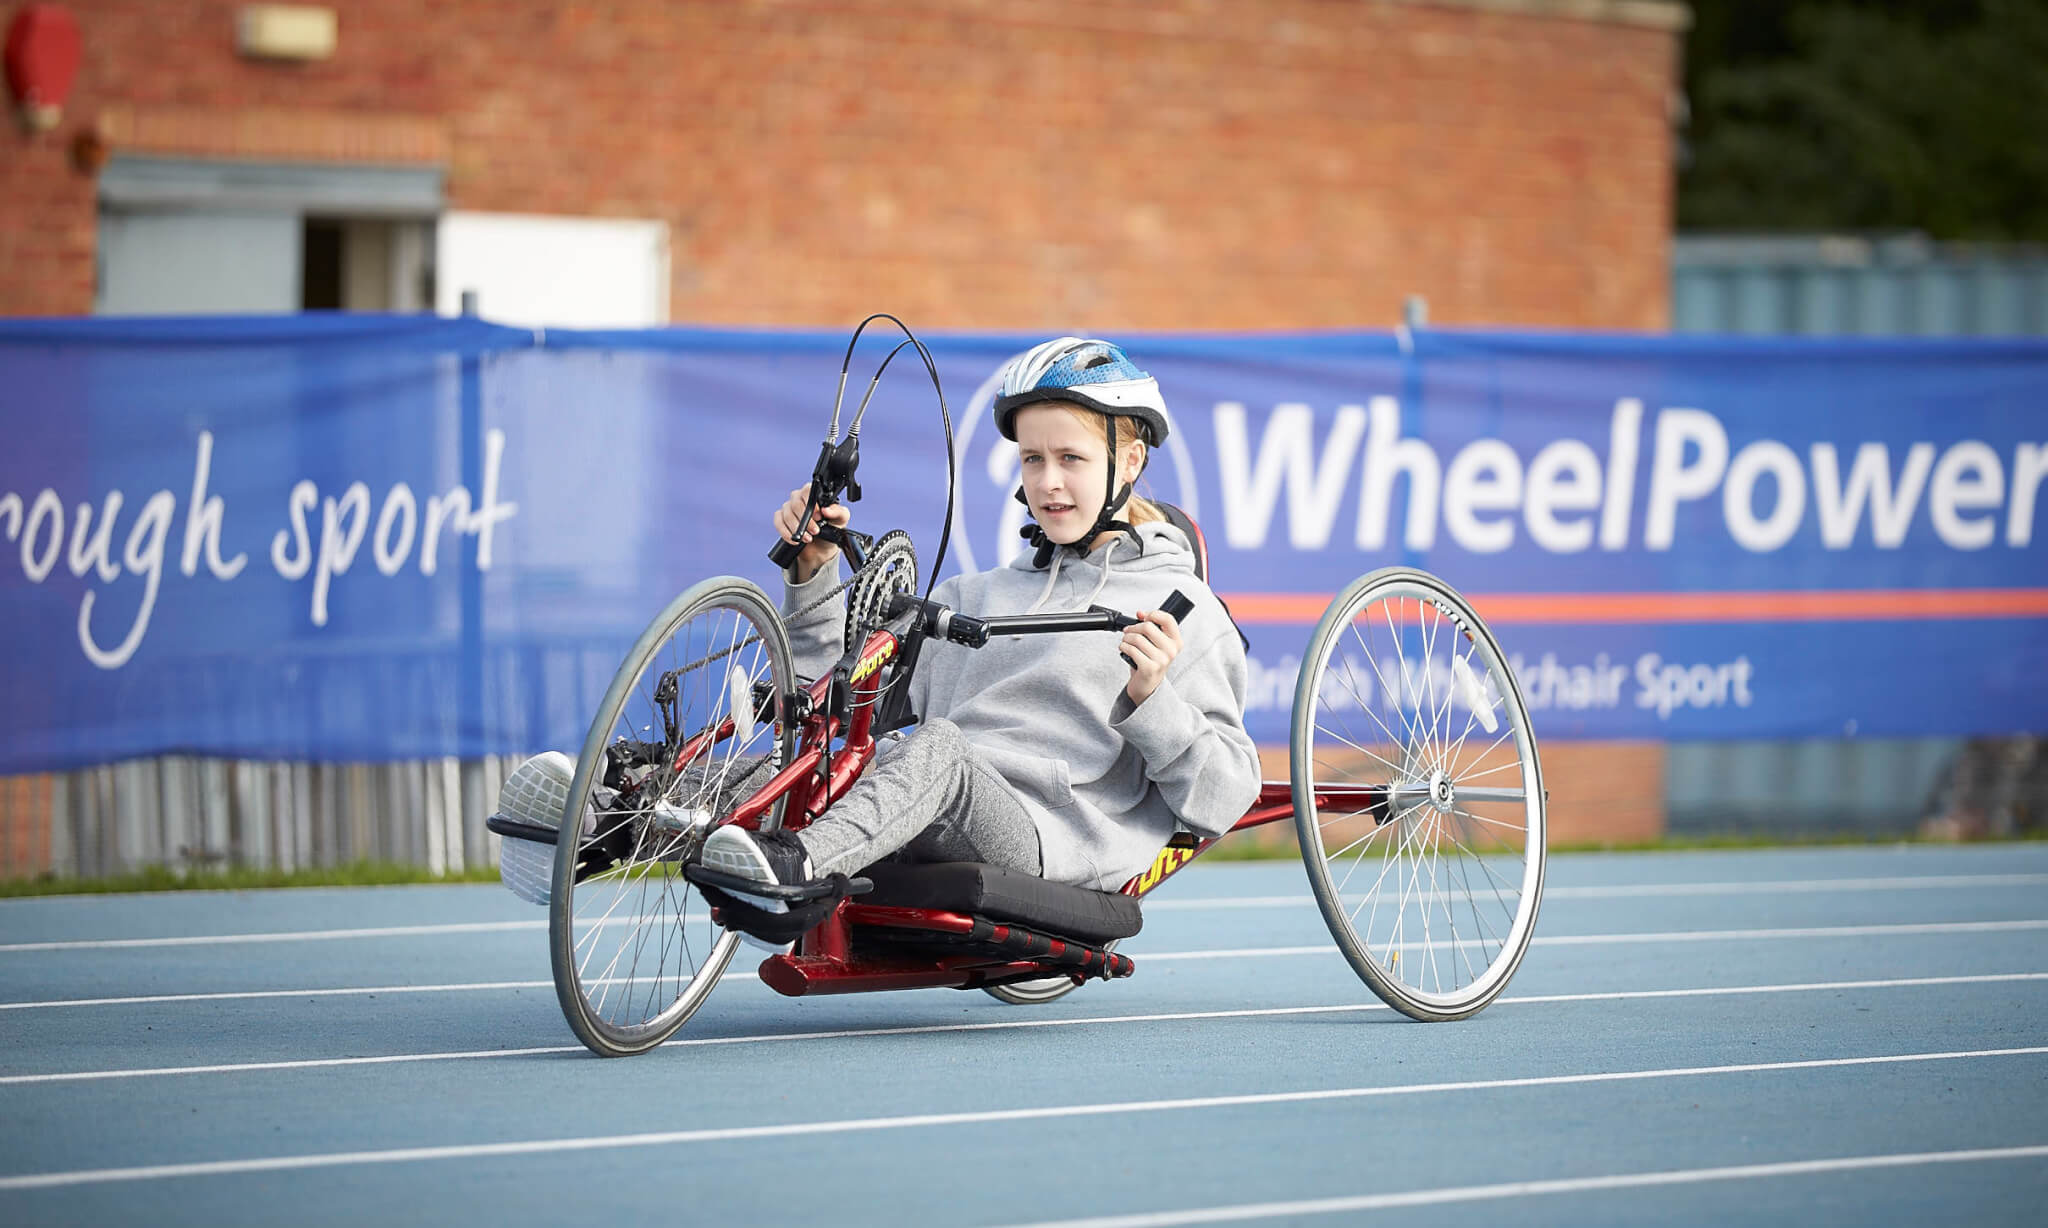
1004 895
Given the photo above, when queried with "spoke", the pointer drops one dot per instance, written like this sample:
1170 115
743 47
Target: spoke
1364 839
1440 889
1365 707
1372 895
596 930
1505 734
1477 916
1513 765
1471 719
1480 818
1391 766
1427 942
1391 697
639 941
1436 710
1401 656
1500 940
1498 881
682 924
1407 880
1394 821
1471 973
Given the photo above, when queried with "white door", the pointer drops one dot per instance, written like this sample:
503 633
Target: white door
563 272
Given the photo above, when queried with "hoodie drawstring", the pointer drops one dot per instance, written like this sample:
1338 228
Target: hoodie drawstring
1050 577
1104 581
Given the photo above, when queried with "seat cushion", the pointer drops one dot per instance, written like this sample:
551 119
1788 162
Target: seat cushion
1004 895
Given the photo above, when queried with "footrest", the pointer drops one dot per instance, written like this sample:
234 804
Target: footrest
513 829
793 893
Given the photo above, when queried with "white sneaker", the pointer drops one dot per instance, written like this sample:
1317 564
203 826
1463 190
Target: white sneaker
774 857
536 793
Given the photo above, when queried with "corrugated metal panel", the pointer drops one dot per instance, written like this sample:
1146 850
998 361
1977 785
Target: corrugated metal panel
1834 285
1902 286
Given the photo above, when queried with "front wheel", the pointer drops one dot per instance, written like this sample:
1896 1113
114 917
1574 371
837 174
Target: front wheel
1418 798
691 726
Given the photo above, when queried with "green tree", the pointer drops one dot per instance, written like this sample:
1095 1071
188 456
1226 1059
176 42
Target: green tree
1826 115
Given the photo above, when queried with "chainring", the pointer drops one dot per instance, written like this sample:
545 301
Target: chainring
891 571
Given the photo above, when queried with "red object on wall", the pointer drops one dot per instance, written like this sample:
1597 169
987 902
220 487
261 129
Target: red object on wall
42 61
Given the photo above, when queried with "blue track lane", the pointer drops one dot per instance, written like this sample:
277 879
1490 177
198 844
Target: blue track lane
1695 1038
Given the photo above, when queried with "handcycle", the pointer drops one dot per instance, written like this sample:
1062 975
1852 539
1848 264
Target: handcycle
1414 789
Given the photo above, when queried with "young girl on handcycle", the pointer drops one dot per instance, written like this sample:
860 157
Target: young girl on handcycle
1070 757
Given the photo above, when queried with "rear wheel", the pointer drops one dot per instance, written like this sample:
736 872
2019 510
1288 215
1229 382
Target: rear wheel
1039 992
1032 993
1418 798
690 726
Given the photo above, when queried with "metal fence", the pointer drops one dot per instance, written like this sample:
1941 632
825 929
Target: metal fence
1891 285
191 813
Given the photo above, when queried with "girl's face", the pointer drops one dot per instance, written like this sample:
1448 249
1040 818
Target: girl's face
1063 452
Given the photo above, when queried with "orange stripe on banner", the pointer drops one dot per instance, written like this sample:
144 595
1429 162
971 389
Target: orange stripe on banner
1855 605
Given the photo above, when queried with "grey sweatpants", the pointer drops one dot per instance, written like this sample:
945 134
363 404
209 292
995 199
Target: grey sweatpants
933 798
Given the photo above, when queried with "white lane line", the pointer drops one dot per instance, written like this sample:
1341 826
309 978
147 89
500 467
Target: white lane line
1583 940
843 1126
1822 931
1910 882
1562 940
1562 1185
201 940
244 994
1621 995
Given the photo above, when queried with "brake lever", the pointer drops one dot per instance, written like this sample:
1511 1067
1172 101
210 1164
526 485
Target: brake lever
835 473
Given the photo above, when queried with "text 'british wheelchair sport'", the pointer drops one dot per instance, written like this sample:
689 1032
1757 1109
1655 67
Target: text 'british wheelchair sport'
1413 786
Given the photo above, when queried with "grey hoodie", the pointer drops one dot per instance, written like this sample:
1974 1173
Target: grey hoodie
1105 781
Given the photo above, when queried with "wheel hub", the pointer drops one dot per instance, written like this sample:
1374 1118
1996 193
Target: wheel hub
1442 793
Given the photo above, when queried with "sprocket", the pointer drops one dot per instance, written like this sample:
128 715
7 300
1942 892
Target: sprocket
891 570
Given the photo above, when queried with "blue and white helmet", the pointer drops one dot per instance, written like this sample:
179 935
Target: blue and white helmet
1090 373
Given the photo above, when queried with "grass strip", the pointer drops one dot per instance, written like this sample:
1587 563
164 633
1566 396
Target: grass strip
242 878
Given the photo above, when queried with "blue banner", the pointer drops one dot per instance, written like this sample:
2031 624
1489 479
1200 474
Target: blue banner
361 538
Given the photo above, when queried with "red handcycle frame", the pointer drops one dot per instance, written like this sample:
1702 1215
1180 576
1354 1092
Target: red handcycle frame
824 961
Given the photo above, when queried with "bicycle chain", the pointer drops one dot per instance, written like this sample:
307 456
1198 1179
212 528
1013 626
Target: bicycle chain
755 639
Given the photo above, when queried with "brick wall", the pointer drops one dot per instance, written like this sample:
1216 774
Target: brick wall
1104 165
1110 164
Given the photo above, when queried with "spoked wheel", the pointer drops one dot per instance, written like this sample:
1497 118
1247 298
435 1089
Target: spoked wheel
1418 799
691 726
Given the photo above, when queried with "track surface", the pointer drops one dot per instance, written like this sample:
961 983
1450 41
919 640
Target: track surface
1840 1035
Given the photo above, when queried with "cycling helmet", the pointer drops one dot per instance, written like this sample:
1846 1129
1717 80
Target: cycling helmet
1094 375
1089 373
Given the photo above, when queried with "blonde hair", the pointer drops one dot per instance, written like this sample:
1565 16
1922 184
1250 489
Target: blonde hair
1137 510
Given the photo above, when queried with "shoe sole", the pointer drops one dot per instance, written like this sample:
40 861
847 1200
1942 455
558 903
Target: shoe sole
537 792
736 855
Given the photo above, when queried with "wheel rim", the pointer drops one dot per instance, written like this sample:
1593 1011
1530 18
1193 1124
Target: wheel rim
1418 795
635 948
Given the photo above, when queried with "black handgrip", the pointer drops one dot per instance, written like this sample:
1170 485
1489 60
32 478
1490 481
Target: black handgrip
962 629
1177 604
785 552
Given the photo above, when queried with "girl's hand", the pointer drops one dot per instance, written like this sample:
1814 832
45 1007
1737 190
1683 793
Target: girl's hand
1150 646
816 554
